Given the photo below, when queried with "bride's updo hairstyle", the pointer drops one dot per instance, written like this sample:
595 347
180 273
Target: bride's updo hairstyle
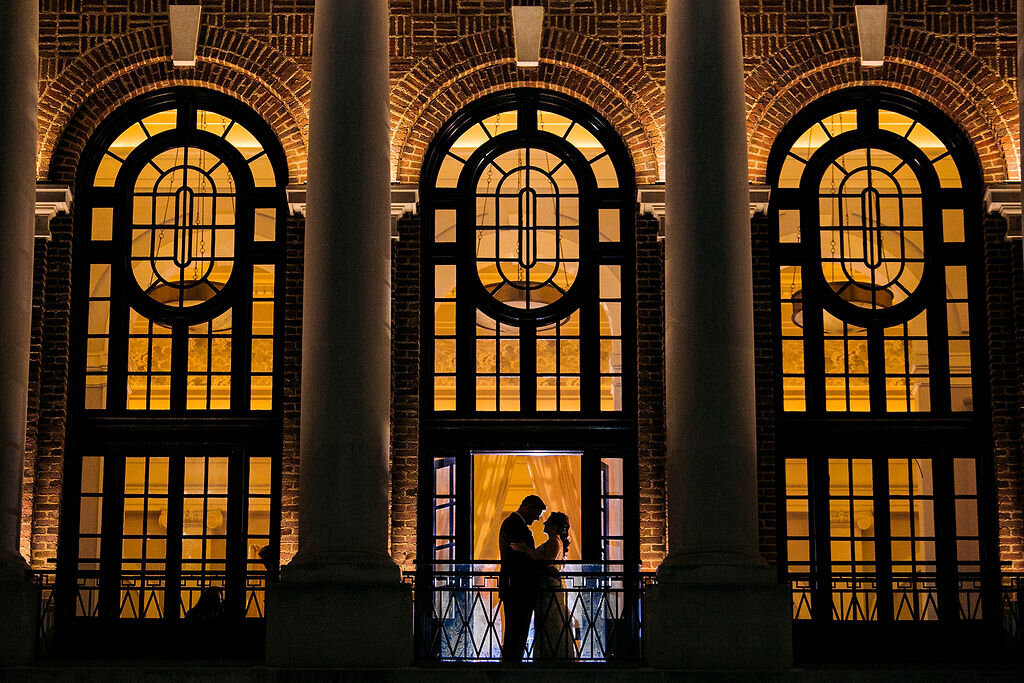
560 522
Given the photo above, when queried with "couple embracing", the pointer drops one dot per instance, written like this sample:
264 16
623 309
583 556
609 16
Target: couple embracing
529 583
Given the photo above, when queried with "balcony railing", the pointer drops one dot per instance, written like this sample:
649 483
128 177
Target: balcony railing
914 597
459 614
142 597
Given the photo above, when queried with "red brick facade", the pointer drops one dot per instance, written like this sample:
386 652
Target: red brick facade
95 55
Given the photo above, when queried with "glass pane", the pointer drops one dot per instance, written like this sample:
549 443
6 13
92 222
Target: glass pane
102 223
608 225
444 225
265 226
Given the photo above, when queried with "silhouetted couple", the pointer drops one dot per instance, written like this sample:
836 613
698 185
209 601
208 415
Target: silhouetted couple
529 582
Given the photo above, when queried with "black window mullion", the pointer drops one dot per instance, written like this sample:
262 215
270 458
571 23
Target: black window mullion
175 504
819 529
179 366
883 535
236 529
945 536
876 370
527 369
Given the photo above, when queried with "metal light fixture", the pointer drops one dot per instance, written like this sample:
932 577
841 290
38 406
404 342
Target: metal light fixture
854 293
189 297
513 293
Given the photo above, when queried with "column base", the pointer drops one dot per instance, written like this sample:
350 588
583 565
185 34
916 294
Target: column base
19 607
334 624
718 617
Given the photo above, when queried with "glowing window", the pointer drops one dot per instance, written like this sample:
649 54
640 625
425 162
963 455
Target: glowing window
527 205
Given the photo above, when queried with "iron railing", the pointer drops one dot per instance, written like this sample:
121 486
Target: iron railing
914 597
459 614
141 596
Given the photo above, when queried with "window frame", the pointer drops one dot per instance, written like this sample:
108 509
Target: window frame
240 434
581 297
879 437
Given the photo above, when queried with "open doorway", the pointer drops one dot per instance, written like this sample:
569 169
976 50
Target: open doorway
502 480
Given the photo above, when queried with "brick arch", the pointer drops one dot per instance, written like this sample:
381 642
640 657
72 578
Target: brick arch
443 83
969 92
111 74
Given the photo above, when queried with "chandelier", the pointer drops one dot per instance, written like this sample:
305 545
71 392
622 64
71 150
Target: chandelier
852 292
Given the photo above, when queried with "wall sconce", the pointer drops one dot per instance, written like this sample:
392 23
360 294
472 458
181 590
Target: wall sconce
871 25
527 26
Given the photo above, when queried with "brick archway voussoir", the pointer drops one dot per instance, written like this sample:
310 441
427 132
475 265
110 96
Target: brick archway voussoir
920 63
112 74
579 66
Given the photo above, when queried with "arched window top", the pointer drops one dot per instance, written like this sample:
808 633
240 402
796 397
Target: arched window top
902 124
180 210
527 200
873 195
561 127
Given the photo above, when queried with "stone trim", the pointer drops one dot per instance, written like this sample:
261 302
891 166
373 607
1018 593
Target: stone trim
50 200
1005 200
651 199
405 199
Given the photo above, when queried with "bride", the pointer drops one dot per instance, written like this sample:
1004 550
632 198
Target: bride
553 636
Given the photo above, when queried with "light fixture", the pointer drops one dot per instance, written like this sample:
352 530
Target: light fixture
871 25
527 27
184 33
852 292
189 297
185 297
513 293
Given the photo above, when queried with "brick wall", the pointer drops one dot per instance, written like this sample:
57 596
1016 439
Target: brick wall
405 389
1004 300
97 54
53 345
292 379
650 341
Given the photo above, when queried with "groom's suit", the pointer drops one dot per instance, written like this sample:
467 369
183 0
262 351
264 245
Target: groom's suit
517 585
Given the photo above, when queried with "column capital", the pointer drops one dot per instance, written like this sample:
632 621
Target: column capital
405 199
51 199
1004 199
651 199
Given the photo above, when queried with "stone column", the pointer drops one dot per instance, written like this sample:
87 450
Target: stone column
717 603
19 58
341 602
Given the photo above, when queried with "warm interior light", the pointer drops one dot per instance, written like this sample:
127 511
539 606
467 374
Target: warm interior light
502 480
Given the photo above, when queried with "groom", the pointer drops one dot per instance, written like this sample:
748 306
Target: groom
517 580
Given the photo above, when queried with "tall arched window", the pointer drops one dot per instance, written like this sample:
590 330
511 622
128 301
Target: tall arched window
529 211
528 323
177 282
882 381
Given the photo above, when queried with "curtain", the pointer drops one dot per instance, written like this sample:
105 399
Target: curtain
557 480
491 477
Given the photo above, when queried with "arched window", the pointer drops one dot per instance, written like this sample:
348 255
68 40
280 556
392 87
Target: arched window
528 215
180 205
528 323
528 350
881 382
176 314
